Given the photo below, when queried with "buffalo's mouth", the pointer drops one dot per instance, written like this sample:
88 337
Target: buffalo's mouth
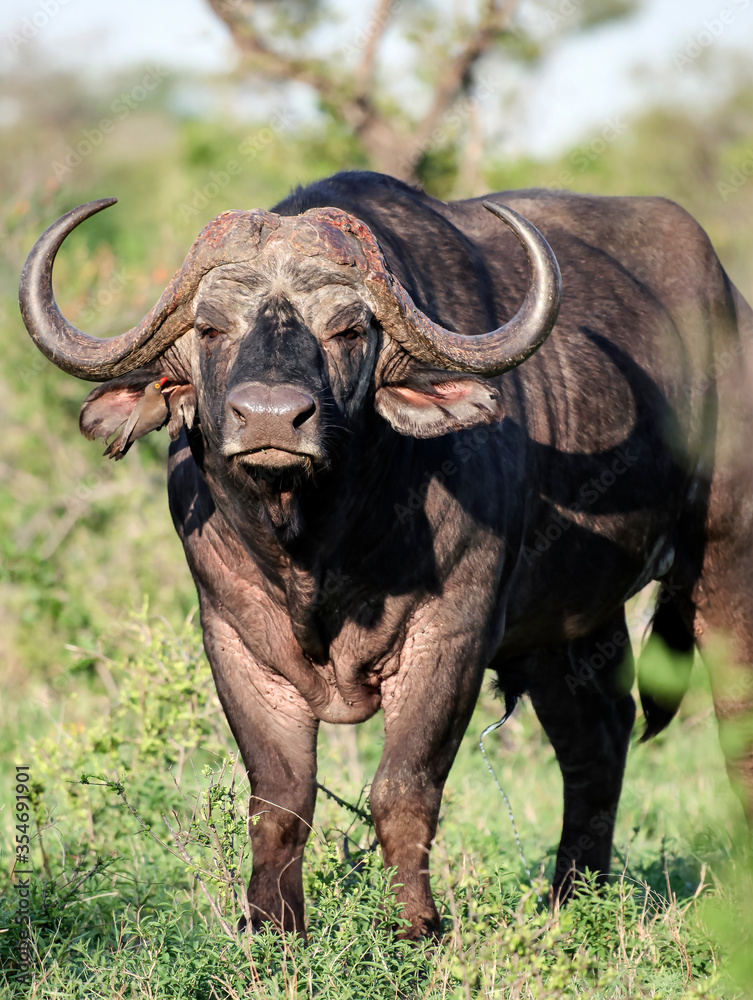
273 459
277 467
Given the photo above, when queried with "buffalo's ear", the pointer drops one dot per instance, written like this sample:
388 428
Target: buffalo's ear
430 402
107 407
181 401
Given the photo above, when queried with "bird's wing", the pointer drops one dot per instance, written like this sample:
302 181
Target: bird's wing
120 445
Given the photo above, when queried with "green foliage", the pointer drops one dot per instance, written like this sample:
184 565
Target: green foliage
437 170
597 12
662 675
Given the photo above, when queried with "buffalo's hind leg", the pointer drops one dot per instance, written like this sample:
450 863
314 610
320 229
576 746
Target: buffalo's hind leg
723 594
277 739
580 693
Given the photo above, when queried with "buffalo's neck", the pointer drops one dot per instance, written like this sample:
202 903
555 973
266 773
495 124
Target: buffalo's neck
351 546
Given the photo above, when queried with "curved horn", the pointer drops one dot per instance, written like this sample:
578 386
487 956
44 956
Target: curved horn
502 349
93 358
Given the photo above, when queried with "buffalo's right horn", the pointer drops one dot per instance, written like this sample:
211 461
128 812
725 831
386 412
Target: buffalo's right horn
489 353
93 358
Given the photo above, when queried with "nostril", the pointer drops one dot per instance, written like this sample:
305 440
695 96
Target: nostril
239 415
303 414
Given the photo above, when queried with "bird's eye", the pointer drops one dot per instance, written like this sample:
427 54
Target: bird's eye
157 385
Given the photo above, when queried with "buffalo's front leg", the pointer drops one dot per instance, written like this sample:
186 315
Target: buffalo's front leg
276 734
427 706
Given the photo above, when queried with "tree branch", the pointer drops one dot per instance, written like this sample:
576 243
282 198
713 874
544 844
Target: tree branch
352 101
249 43
365 73
456 78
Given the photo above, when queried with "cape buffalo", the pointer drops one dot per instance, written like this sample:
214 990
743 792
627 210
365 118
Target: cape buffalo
379 501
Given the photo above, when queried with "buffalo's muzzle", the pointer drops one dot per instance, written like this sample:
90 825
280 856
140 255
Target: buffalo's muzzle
271 425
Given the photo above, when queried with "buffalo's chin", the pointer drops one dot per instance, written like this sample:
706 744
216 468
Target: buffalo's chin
277 477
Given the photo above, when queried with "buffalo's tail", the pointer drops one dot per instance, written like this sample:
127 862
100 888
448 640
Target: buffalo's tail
663 680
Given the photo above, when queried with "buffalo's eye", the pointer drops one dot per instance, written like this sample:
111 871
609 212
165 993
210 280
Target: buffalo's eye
352 333
208 332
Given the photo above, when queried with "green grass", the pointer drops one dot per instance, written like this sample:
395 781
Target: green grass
140 855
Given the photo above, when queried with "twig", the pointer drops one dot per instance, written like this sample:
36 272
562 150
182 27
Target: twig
455 79
252 46
346 805
352 100
365 73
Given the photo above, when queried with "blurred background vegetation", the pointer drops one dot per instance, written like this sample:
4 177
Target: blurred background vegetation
85 544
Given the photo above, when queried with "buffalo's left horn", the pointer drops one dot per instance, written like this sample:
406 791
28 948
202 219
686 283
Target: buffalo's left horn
93 358
502 349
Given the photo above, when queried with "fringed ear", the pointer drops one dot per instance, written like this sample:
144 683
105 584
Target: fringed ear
181 401
109 406
428 402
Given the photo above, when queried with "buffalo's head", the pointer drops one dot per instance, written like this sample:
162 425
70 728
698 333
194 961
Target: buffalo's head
277 335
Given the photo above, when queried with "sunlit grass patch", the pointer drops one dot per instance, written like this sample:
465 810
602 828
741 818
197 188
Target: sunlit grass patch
140 859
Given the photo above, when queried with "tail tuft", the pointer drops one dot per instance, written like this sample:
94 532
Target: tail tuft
655 716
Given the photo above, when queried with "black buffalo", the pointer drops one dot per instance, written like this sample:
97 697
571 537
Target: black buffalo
379 502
